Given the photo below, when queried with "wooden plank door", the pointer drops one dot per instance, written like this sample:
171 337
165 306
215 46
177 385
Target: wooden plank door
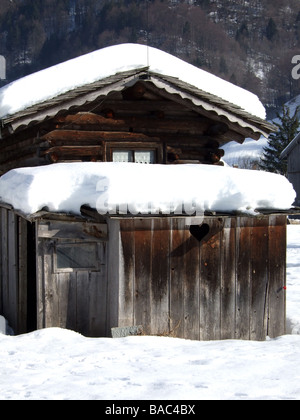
72 285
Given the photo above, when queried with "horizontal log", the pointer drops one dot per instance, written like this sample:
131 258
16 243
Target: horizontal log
186 161
123 108
26 160
203 155
217 129
190 142
161 123
149 123
81 138
60 153
204 152
82 118
17 153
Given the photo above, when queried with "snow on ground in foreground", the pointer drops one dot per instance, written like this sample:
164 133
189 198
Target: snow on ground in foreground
61 364
57 364
293 279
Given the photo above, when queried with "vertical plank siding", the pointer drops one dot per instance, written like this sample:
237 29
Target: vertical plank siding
230 286
191 287
228 266
13 284
277 273
210 287
224 279
22 275
160 278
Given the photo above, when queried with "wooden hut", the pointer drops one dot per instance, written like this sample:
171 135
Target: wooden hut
136 115
223 278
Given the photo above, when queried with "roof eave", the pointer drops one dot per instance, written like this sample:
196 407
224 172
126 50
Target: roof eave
88 93
290 147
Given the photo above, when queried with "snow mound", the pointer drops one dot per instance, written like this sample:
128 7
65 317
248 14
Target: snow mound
49 83
130 188
57 364
4 327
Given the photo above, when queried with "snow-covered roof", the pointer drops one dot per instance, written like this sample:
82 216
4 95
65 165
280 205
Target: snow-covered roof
50 83
290 147
128 188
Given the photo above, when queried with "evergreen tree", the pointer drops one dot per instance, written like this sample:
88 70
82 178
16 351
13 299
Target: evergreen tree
271 30
288 127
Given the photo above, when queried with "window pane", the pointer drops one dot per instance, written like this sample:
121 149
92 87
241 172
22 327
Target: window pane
144 156
76 256
122 156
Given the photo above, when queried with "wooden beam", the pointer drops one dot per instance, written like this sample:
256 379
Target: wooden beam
217 129
191 142
61 153
201 155
151 123
18 153
76 137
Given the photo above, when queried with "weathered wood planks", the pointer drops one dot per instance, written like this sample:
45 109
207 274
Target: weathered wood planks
222 288
224 280
73 298
13 275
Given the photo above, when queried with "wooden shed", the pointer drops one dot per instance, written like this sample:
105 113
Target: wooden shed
218 279
292 154
223 279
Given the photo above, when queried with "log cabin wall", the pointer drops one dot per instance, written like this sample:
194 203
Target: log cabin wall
139 118
224 279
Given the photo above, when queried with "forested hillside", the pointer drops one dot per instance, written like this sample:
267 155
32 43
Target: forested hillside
250 43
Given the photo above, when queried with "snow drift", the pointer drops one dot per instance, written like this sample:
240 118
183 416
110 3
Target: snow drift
115 188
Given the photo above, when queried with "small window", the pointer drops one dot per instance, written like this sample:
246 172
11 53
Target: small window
78 256
137 156
144 156
123 156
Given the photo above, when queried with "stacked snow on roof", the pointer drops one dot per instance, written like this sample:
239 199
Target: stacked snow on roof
49 83
131 188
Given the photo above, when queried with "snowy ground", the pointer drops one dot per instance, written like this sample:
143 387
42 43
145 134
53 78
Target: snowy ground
59 364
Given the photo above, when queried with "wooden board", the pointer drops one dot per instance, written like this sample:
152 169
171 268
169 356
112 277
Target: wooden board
68 230
228 279
160 278
143 274
277 273
210 287
243 278
225 285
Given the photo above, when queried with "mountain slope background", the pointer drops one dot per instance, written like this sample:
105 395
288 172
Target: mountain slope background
250 43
